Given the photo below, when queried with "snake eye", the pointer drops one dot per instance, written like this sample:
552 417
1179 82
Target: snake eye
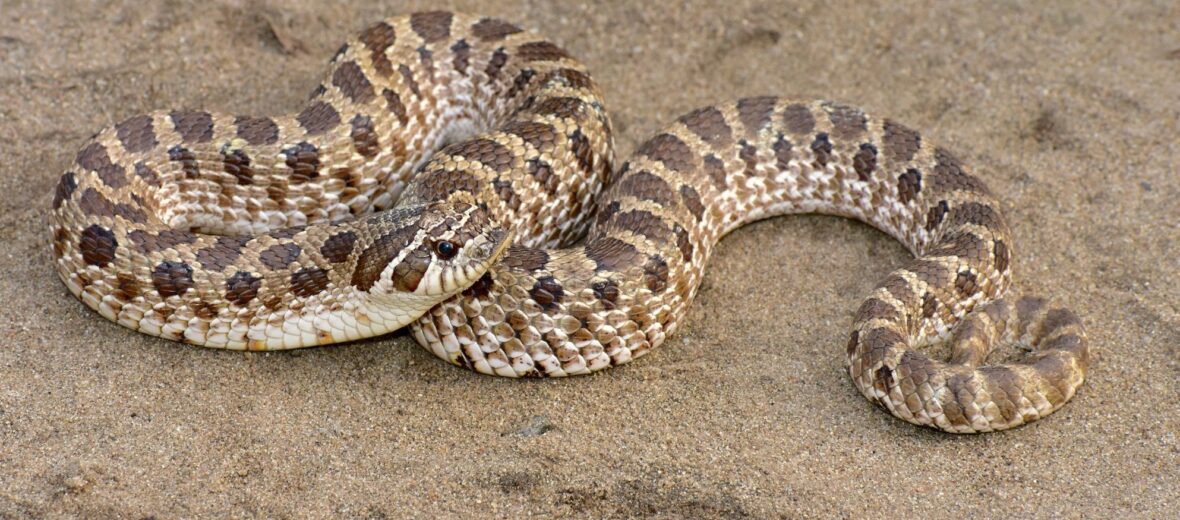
445 249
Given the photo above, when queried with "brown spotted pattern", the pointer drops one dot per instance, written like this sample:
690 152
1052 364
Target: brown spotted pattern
309 261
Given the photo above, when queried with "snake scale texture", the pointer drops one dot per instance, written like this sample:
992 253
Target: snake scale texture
456 174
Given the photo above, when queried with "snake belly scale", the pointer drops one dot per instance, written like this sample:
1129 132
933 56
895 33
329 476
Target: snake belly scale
456 174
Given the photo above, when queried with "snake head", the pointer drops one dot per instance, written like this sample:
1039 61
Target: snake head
422 255
459 243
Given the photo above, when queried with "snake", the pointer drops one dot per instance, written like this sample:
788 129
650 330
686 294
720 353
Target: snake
455 173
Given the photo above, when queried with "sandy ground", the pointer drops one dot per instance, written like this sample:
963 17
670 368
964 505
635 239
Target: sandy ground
1069 113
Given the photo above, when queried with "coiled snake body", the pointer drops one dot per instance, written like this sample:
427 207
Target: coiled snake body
271 233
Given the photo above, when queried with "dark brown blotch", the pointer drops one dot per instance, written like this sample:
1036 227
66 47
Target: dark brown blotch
848 122
377 255
883 379
148 242
929 305
901 142
605 213
543 173
187 160
782 153
607 292
645 185
237 163
426 58
126 287
875 309
488 152
692 201
285 233
257 130
438 184
655 273
933 274
964 245
408 78
338 247
65 189
671 151
352 82
966 283
146 173
461 51
136 134
364 136
503 190
97 245
878 342
547 292
899 288
822 147
583 153
909 185
194 126
172 278
493 29
948 175
496 64
852 342
709 124
798 119
978 214
525 258
642 223
755 112
715 169
683 241
304 161
222 253
541 51
541 135
130 213
378 38
865 161
935 215
408 273
1000 380
95 204
611 254
573 78
309 281
522 81
279 256
1000 250
242 287
393 103
432 26
562 107
94 158
318 117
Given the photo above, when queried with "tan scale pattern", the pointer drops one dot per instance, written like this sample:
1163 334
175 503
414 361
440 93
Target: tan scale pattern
510 133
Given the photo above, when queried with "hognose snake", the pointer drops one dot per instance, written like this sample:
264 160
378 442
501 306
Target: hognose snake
388 201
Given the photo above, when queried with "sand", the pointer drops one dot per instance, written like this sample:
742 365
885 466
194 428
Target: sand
1069 112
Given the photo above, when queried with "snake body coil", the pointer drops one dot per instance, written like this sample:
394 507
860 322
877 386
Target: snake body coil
388 200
